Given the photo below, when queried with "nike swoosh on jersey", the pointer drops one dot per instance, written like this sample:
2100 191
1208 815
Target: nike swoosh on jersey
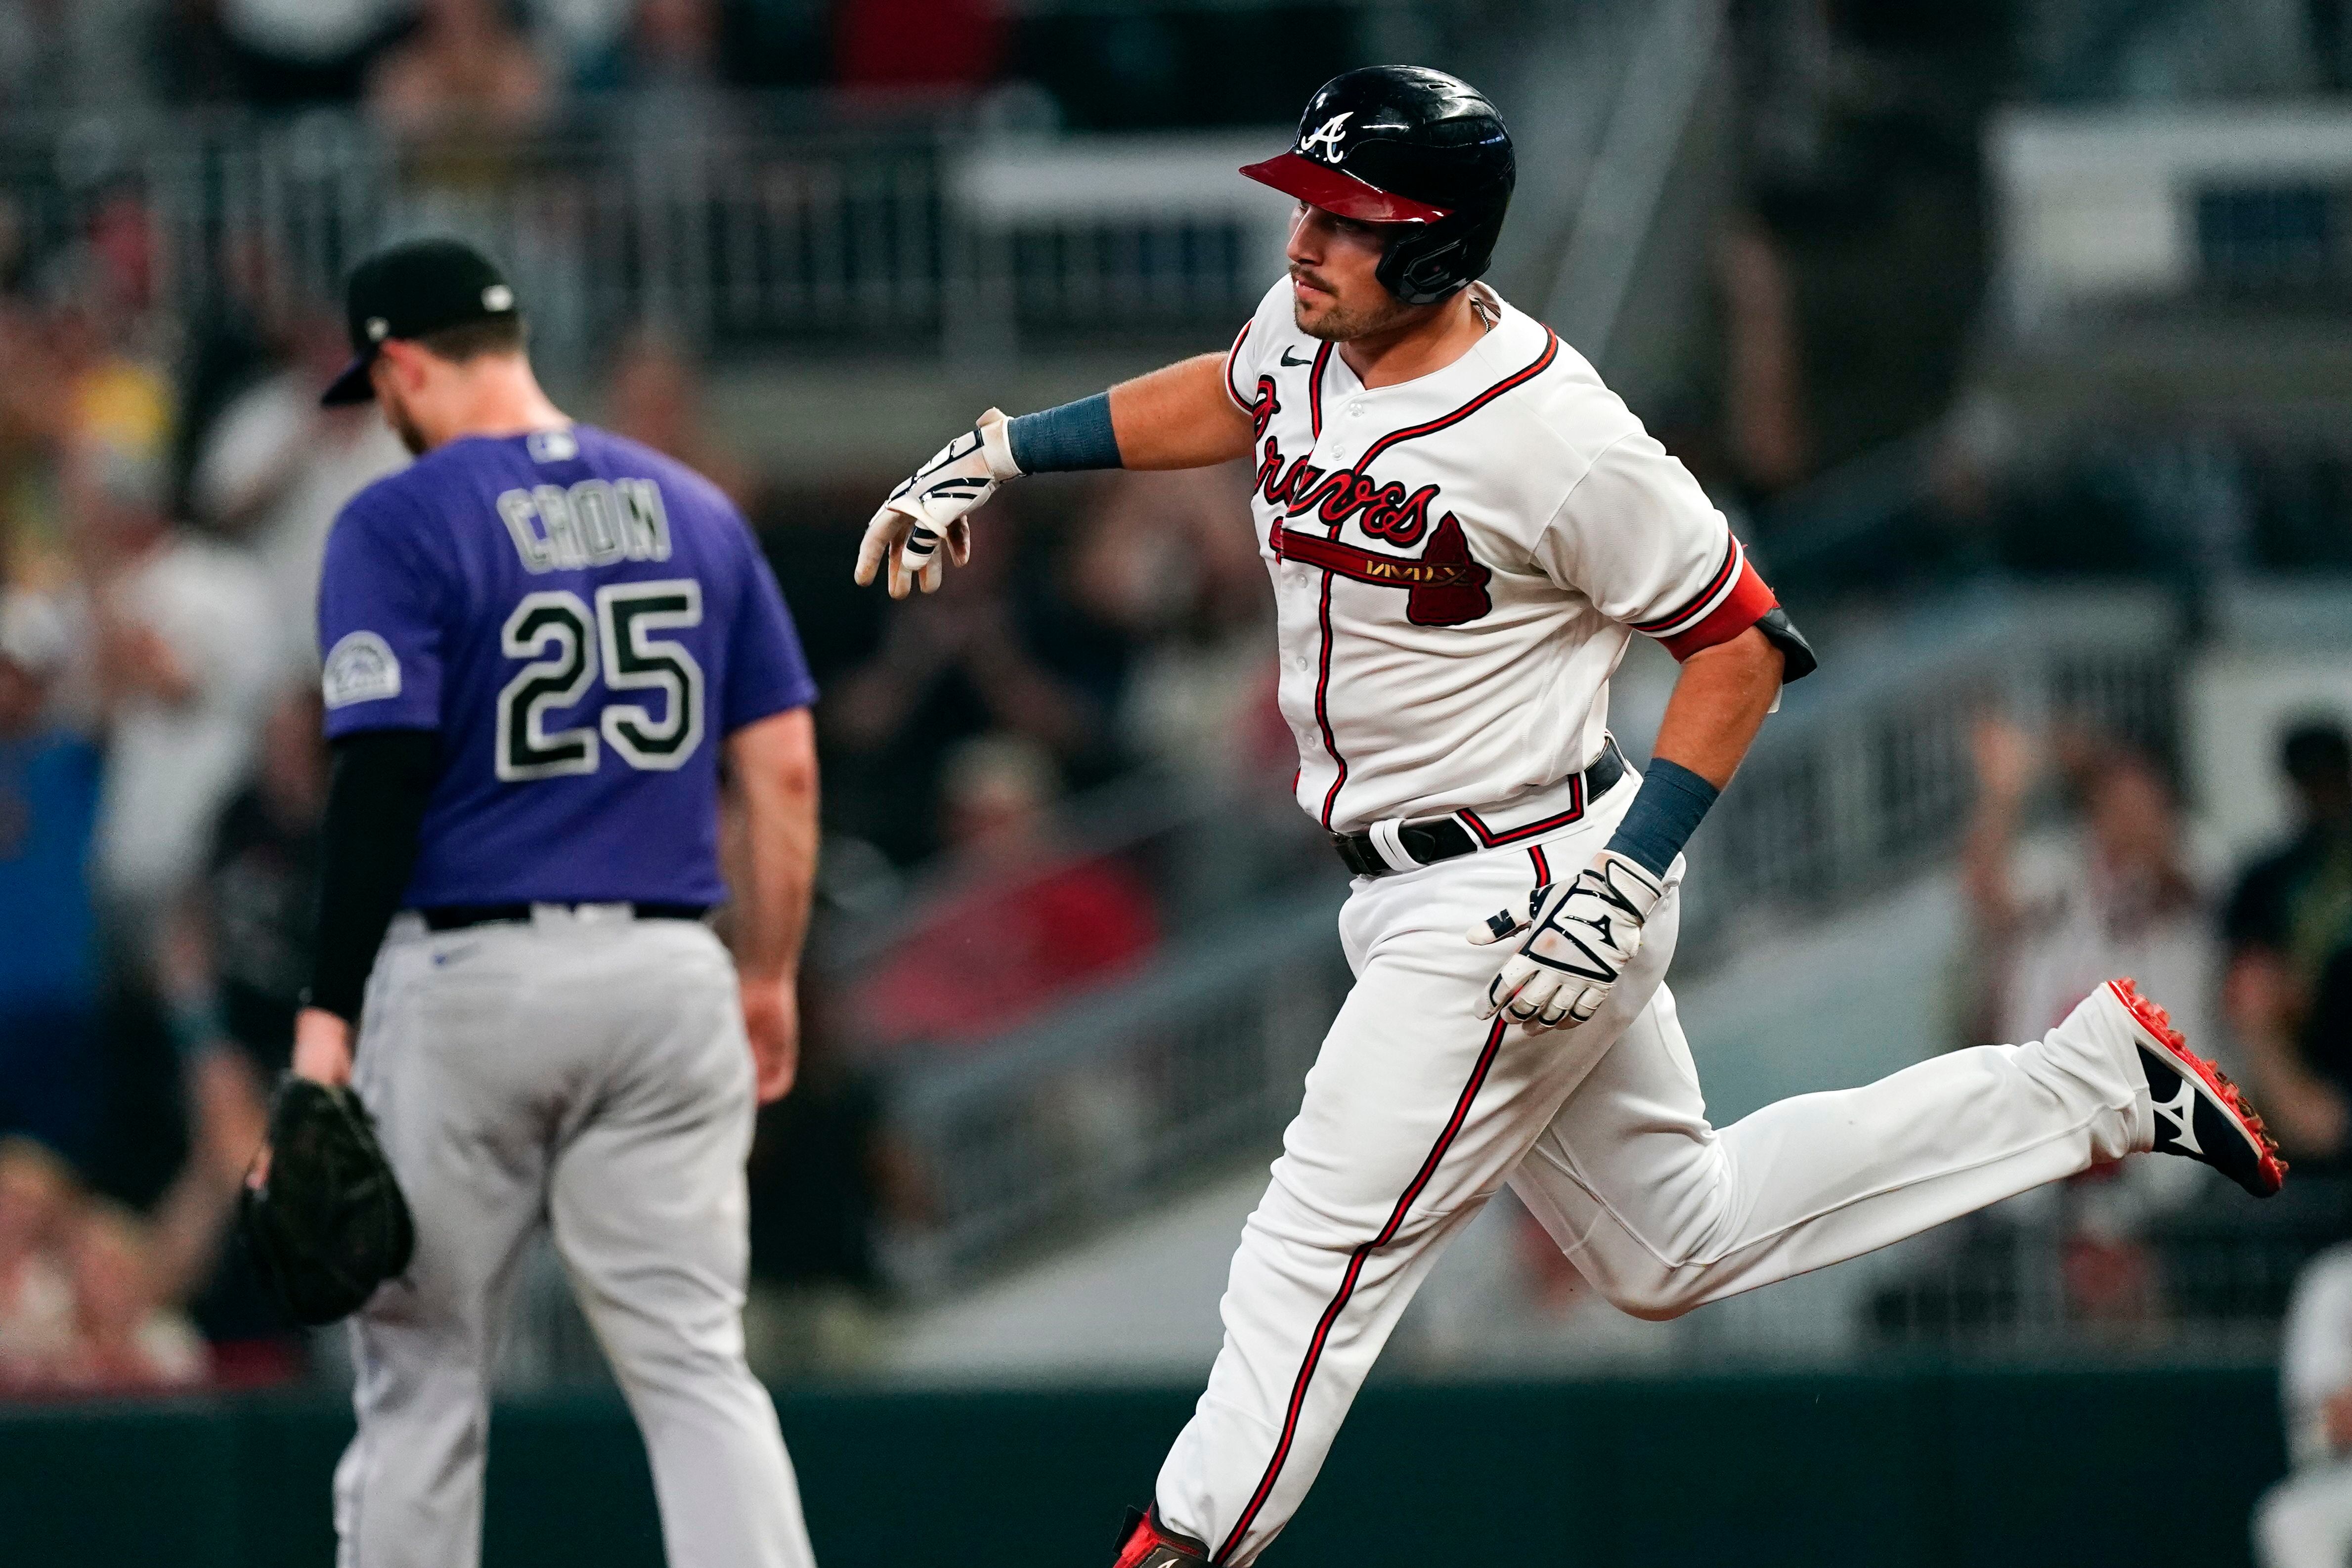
1294 362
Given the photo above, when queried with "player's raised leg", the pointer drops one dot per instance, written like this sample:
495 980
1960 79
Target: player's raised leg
1664 1212
648 1206
452 1106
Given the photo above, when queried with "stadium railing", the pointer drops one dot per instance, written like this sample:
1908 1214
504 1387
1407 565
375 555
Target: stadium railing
728 219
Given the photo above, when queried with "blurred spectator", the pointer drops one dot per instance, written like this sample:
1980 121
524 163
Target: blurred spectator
657 398
258 903
1024 924
126 1336
296 51
669 52
180 672
274 469
49 1078
2050 930
1169 559
37 1194
2289 930
957 664
464 71
2305 1521
821 1168
2122 900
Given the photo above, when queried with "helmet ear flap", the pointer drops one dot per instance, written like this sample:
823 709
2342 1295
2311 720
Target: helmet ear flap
1419 274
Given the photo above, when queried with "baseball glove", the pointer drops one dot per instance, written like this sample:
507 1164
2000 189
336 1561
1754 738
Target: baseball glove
321 1212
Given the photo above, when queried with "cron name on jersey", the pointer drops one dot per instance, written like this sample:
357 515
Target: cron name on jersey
593 523
1445 585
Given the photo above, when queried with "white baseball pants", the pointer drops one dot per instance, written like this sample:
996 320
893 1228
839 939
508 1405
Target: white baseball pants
591 1070
1416 1112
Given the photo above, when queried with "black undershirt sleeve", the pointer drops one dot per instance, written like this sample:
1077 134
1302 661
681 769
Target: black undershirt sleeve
375 802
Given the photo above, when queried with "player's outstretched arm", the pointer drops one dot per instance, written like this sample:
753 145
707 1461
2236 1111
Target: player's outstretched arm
771 864
1177 417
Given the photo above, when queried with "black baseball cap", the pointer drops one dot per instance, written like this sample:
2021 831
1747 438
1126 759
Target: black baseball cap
408 290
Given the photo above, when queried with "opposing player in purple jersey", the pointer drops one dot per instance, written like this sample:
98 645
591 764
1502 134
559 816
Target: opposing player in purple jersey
540 643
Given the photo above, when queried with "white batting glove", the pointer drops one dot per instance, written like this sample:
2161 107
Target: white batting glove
933 509
1581 935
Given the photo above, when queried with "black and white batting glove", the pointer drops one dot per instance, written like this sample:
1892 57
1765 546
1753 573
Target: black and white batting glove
1581 935
926 521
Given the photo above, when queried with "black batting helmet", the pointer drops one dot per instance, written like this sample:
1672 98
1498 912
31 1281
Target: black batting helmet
1410 146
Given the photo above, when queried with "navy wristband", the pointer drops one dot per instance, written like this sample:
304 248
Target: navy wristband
1063 440
1665 810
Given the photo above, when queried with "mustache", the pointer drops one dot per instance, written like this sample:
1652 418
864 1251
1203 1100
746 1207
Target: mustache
1303 275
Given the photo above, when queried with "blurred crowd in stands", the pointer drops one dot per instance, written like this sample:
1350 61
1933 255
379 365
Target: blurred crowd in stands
165 490
2253 961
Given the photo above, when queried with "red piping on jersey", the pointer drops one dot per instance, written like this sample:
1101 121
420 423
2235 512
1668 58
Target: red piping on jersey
1233 357
1392 572
1315 391
1543 866
1747 601
1413 432
1347 1286
1322 695
1732 558
1323 614
1490 839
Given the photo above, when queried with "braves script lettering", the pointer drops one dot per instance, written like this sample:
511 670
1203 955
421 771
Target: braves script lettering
1446 586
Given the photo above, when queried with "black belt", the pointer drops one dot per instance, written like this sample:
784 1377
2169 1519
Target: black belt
1441 838
457 917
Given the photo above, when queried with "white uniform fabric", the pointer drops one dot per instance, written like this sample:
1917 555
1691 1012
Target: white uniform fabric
2305 1521
1459 562
1416 1112
590 1071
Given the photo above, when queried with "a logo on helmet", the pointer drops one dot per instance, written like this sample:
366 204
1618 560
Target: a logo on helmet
1328 138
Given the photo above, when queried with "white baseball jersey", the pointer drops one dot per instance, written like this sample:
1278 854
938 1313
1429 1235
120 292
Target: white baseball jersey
1460 561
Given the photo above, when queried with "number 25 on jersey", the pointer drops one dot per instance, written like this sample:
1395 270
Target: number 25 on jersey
566 644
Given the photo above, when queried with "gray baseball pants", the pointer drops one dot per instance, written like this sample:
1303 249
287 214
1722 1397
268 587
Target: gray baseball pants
588 1070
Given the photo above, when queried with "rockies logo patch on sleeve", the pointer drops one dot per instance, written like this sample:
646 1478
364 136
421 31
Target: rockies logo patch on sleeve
360 668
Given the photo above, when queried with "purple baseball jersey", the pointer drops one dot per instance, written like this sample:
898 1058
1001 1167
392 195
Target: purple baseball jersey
582 621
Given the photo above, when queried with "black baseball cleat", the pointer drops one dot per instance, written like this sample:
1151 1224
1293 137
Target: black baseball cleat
2200 1113
1145 1542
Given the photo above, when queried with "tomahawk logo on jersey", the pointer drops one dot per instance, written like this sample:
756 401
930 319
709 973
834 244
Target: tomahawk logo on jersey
581 619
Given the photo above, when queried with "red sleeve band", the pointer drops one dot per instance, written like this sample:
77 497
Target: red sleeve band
1748 601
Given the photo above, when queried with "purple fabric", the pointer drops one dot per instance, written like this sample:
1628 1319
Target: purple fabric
529 542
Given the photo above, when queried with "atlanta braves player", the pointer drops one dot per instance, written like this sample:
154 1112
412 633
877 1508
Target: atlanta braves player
1465 529
538 638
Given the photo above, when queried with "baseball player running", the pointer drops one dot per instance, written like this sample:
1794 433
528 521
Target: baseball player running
539 639
1465 529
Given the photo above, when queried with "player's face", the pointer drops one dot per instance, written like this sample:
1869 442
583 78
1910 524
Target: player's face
384 375
1334 294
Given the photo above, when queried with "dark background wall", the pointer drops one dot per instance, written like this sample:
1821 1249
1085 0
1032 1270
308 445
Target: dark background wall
1929 1467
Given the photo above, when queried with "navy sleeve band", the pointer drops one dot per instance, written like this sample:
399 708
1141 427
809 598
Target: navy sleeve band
1063 440
1665 810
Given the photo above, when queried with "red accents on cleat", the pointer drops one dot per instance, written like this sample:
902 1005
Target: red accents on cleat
1145 1545
2157 1023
